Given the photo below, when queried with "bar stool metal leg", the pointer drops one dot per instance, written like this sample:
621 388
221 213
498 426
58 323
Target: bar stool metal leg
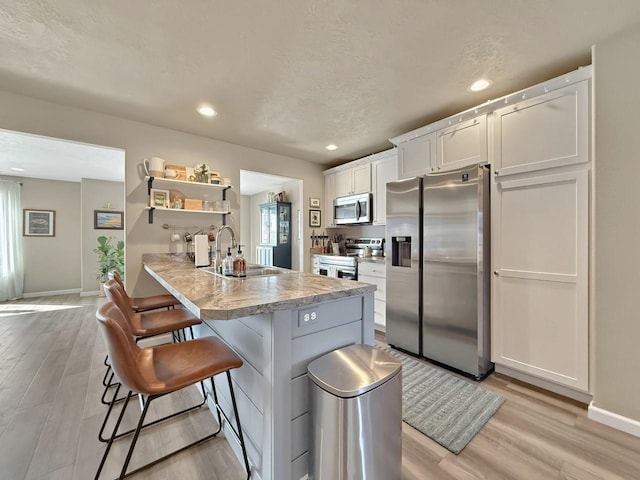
115 400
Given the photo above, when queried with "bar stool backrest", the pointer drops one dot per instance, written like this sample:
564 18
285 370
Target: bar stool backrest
113 275
121 347
116 294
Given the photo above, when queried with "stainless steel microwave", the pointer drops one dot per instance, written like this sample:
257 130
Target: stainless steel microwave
353 209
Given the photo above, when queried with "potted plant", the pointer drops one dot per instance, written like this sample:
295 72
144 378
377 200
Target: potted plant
110 258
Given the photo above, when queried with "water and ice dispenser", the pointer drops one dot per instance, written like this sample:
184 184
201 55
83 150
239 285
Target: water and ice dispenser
401 251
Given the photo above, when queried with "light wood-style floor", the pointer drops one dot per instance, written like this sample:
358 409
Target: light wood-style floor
50 382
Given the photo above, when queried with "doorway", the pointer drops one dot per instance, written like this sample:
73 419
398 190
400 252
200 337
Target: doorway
255 188
73 180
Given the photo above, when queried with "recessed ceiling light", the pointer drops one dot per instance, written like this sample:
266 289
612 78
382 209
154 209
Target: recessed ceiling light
17 169
479 85
207 111
331 147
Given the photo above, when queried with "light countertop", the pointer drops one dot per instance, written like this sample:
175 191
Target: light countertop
211 297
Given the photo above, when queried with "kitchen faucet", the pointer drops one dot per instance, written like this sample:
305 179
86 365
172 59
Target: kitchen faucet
217 261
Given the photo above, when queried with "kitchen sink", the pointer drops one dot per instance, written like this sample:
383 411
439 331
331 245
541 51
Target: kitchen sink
252 271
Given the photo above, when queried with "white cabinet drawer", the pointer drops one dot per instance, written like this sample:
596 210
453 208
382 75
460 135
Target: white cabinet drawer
380 284
372 269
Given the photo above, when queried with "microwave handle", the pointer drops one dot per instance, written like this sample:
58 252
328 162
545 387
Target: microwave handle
358 209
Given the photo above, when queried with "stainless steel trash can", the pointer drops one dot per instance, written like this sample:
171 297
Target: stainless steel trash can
356 415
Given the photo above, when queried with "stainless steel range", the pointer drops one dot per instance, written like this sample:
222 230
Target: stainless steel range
346 266
365 247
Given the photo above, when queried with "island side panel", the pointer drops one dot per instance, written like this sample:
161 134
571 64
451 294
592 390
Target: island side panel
246 337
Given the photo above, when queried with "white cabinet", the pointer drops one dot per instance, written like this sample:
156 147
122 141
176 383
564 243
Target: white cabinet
382 171
462 144
417 156
550 130
375 272
356 179
540 234
329 195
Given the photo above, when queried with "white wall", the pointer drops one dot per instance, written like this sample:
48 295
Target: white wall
95 194
245 228
52 263
140 140
617 225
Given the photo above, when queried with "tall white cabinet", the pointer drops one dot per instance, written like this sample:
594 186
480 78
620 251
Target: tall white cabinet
383 170
540 236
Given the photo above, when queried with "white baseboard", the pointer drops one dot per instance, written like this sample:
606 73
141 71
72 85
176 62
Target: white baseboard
613 420
90 294
50 293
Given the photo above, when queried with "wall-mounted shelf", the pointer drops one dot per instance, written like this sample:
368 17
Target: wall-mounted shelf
187 210
150 181
170 181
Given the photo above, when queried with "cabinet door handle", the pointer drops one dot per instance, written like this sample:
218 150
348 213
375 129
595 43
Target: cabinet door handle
496 273
495 172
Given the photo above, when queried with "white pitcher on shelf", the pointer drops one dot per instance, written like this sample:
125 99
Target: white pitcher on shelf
154 166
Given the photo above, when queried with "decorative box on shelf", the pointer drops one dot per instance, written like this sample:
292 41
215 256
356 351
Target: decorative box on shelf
192 204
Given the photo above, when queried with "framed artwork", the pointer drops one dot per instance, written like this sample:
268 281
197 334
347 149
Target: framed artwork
108 220
159 198
314 218
39 223
314 202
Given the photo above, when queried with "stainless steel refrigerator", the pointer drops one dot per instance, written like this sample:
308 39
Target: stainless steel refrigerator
437 251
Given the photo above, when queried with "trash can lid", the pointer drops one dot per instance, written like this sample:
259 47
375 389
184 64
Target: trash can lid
354 370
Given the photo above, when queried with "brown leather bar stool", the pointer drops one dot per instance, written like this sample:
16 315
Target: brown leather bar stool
140 304
143 304
141 325
149 324
157 371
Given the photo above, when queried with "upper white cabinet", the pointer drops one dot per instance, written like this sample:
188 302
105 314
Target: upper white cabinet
550 130
382 171
329 195
463 143
356 179
417 156
459 144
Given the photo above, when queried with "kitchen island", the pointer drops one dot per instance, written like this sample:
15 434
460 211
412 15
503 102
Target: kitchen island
277 324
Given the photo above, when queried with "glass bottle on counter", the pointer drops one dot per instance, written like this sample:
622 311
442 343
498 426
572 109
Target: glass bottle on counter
227 263
239 264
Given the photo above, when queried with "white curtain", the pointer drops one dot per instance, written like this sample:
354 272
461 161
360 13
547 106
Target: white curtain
11 265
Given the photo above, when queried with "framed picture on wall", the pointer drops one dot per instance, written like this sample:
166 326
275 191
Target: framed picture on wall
108 220
314 218
314 202
39 223
159 198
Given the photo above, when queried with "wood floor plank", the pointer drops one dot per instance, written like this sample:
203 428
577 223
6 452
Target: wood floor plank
58 440
19 441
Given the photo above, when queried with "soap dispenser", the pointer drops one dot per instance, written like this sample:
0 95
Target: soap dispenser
239 264
227 263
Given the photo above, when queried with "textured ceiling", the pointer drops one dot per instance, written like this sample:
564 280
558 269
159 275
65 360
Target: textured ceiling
53 159
291 76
